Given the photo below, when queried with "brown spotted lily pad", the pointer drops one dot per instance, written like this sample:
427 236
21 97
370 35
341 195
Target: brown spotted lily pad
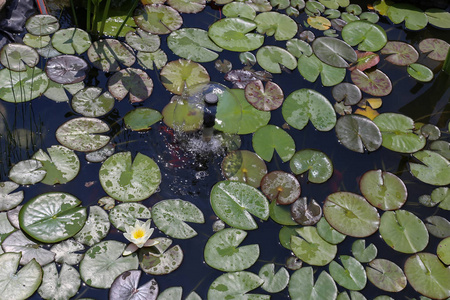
269 98
374 83
109 54
280 186
400 53
437 49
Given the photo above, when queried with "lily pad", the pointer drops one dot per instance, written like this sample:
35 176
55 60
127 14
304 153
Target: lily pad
281 187
103 262
141 118
306 212
269 98
298 47
180 74
151 60
383 189
403 231
127 213
438 17
62 285
310 67
442 196
420 72
66 69
17 57
170 217
365 60
351 214
328 233
27 172
334 52
351 276
188 6
400 53
397 133
18 284
348 92
374 83
239 9
125 180
236 285
443 250
368 36
193 44
438 226
42 24
269 138
23 86
158 19
362 253
222 251
273 282
8 199
81 134
434 170
319 22
244 166
279 25
428 276
130 81
90 102
318 164
437 49
5 226
66 252
302 285
108 55
59 92
160 259
143 41
96 227
126 286
311 248
71 41
281 214
235 202
415 18
273 59
235 34
52 217
386 275
182 115
36 41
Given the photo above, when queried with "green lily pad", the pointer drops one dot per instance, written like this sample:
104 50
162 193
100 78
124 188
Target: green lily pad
52 217
362 253
130 81
182 115
279 25
108 55
302 285
403 231
285 235
126 286
298 47
397 133
158 19
437 49
8 199
59 286
272 59
438 226
351 276
273 282
239 9
17 57
328 233
438 17
193 44
5 226
281 214
36 41
61 164
443 250
442 196
222 251
27 172
310 67
96 227
374 83
350 93
71 41
160 259
81 134
441 147
434 170
18 242
236 285
170 217
306 212
415 18
18 284
58 92
358 133
90 102
280 187
269 138
316 162
23 86
400 53
306 104
180 74
103 262
420 72
125 180
428 276
150 60
235 202
66 252
335 4
244 166
334 52
368 36
386 275
141 118
42 24
351 214
188 6
127 213
143 41
269 98
311 248
235 34
383 189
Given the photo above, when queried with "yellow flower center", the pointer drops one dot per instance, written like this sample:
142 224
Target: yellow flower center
137 234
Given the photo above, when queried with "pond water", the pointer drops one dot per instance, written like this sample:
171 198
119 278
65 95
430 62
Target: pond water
190 166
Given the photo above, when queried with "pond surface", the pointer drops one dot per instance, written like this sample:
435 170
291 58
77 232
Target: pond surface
190 166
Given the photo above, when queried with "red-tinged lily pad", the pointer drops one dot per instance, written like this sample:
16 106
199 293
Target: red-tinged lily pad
365 60
66 69
133 82
386 275
374 83
334 52
281 187
244 166
180 74
358 133
351 214
109 54
306 213
400 53
437 49
263 98
240 78
383 189
158 19
350 93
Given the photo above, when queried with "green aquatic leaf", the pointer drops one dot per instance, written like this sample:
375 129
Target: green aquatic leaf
36 41
150 60
328 233
420 72
42 24
58 92
443 250
16 87
434 170
160 259
17 57
27 172
281 214
318 165
438 17
334 52
311 248
5 226
442 196
158 19
183 115
386 275
8 199
132 82
273 282
298 48
109 54
180 74
96 227
71 41
187 6
272 58
62 285
351 276
272 138
438 226
90 102
281 187
281 26
244 166
310 67
239 9
335 4
127 213
125 286
362 253
236 285
302 285
66 252
143 41
193 44
414 17
141 118
368 36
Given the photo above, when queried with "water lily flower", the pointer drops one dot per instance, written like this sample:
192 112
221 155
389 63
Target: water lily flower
139 236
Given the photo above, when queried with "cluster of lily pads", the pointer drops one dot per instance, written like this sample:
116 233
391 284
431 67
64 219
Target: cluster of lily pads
311 230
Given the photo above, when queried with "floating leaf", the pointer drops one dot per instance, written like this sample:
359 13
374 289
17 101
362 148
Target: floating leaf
143 41
335 4
348 92
434 170
8 199
351 214
159 259
71 41
125 180
130 81
107 55
279 25
316 162
193 44
125 286
239 9
403 231
141 118
236 285
362 253
281 214
302 286
188 6
272 59
383 189
438 226
180 74
269 138
374 83
127 213
234 202
311 248
368 36
42 24
5 226
27 172
90 102
386 275
103 262
65 252
58 92
183 115
420 72
222 251
437 49
244 166
310 67
351 276
438 17
328 233
401 54
101 154
158 19
96 227
81 134
148 60
319 22
281 187
415 18
273 282
17 57
59 286
66 69
170 217
298 47
24 86
443 250
36 41
306 212
365 60
334 52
